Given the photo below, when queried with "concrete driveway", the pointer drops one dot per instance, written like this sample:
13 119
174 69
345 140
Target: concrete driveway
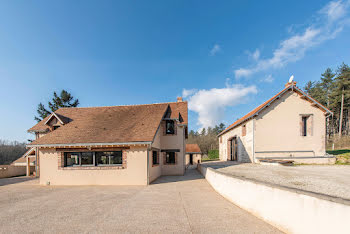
171 204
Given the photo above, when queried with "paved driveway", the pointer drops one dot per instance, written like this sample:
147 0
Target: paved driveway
185 204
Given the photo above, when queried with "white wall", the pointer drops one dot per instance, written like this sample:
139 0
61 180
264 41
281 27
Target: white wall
290 211
245 143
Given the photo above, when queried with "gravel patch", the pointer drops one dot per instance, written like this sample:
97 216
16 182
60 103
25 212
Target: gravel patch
333 180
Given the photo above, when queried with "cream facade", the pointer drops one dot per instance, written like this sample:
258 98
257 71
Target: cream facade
288 126
120 163
137 171
196 159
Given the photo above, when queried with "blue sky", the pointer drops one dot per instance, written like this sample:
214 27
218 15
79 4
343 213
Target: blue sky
224 57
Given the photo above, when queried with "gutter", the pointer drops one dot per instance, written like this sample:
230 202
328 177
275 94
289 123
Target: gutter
92 144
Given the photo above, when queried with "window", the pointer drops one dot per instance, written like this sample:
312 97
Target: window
244 130
155 158
72 159
109 158
170 158
87 159
304 125
170 128
55 127
93 158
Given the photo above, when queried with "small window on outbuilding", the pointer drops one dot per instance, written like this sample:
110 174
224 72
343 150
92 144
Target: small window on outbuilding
306 125
170 127
244 130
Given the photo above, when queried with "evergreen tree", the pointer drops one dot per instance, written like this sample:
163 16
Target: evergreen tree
327 83
341 93
65 99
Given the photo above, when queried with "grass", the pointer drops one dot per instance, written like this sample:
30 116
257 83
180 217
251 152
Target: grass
342 155
212 156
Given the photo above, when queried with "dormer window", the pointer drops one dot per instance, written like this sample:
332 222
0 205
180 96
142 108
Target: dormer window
170 127
55 127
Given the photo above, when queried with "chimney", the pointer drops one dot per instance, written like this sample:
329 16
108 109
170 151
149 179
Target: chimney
179 99
290 83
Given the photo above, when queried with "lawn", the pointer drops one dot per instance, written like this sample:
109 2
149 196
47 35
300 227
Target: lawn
342 155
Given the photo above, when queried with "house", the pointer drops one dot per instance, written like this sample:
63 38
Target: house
193 155
290 125
116 145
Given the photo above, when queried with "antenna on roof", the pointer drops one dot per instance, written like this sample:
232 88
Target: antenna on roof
291 79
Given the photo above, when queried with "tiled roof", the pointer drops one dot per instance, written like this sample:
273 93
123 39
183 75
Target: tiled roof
115 124
192 148
265 104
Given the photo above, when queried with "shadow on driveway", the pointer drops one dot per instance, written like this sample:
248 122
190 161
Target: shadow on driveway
190 174
19 179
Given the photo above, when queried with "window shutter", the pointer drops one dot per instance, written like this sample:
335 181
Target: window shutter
301 125
310 121
175 157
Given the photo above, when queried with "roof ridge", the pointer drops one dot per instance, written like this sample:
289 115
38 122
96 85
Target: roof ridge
85 107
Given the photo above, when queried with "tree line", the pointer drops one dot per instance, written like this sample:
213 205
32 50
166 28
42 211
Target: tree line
333 91
206 138
10 151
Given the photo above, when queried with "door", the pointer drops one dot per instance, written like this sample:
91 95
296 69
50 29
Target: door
191 159
233 149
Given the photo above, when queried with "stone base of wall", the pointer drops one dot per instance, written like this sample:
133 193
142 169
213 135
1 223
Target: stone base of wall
290 210
306 160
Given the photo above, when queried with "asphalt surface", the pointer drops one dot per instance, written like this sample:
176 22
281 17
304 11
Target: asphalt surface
172 204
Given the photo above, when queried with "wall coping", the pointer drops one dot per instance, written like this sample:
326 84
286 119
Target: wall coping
322 196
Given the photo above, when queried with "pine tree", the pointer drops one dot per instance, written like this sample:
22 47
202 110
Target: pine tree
64 100
341 93
327 83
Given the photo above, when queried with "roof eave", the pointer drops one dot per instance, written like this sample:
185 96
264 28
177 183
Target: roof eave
90 144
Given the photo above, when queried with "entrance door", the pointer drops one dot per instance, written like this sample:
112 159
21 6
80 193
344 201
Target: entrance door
233 149
191 159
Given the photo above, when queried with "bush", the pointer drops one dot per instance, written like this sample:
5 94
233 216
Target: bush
213 154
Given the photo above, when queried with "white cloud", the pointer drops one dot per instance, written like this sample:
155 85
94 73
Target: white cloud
188 92
210 104
268 79
216 48
335 10
329 23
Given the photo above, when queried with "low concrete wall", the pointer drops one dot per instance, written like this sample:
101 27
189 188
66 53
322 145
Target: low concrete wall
11 170
290 210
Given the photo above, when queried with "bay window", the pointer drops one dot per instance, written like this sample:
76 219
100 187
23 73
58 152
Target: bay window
108 158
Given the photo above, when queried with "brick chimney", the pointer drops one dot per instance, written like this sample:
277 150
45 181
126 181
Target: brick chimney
179 99
290 83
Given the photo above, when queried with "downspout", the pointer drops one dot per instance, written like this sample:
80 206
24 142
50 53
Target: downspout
148 165
253 140
36 162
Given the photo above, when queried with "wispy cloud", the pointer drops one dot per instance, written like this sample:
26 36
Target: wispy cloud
188 92
210 104
268 79
330 20
216 48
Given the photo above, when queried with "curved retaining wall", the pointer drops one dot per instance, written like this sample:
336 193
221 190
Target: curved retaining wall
285 209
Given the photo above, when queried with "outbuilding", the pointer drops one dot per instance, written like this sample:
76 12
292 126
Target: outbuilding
290 125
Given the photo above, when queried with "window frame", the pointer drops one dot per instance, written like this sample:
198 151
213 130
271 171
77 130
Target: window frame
304 119
155 155
166 126
94 159
166 158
